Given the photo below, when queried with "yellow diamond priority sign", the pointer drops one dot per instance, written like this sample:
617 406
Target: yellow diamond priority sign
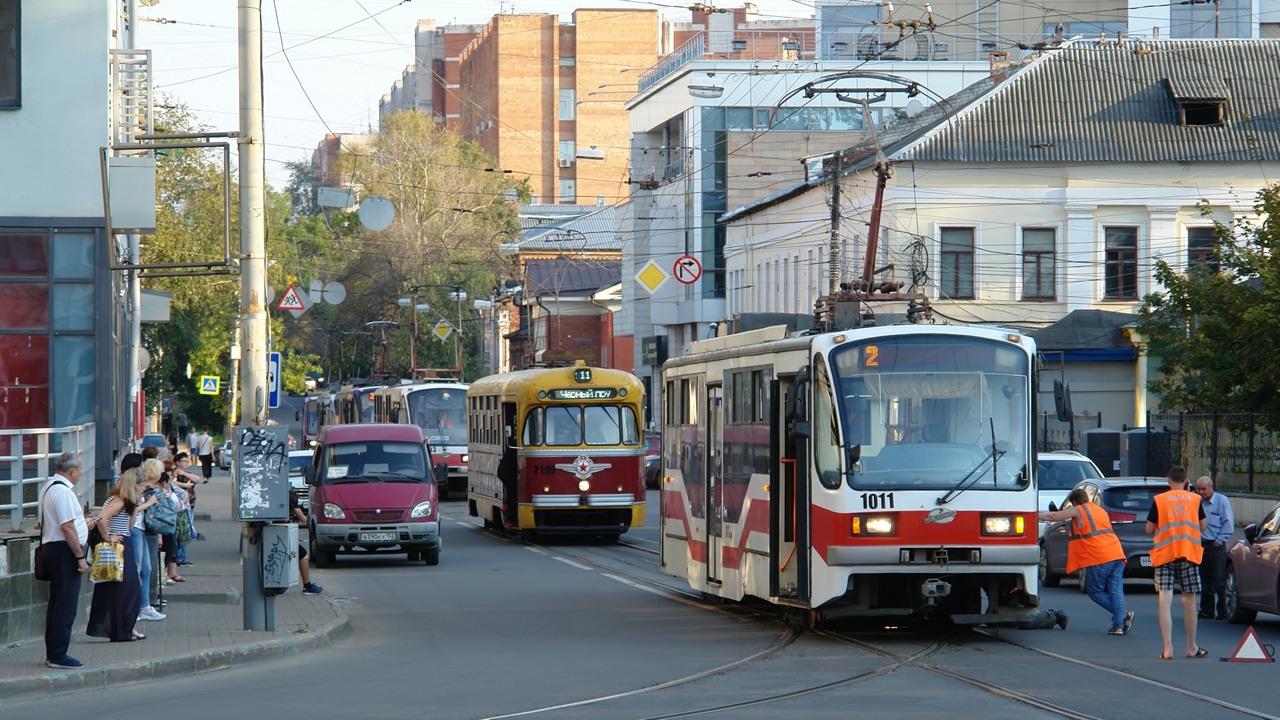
442 330
652 276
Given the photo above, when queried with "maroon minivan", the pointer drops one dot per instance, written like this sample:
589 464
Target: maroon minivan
373 489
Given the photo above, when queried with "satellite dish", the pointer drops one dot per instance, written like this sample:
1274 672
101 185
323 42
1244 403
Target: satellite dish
334 293
376 213
914 107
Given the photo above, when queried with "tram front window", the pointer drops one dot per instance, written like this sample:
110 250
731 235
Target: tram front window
601 425
926 411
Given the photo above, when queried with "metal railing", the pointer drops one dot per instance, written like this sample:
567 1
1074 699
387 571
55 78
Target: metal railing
28 461
749 45
1235 449
1053 434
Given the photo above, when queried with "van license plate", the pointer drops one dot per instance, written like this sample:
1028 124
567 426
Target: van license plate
1145 561
378 537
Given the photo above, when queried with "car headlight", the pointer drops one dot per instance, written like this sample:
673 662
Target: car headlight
465 458
421 510
1003 524
333 511
873 525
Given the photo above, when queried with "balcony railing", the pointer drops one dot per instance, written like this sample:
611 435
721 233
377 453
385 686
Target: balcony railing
27 459
733 45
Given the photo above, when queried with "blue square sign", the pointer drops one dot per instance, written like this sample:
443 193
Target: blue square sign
273 379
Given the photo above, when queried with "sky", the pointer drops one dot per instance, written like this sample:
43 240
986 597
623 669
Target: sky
326 63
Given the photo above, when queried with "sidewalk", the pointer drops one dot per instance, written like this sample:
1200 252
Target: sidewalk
204 628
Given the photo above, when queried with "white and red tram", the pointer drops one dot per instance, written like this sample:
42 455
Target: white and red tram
879 472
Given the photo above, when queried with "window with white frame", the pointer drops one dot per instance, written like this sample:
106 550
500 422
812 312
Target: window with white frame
1202 246
1120 262
568 192
956 276
10 55
1039 260
568 102
568 149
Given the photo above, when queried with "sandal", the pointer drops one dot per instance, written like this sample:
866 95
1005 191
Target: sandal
1116 631
177 579
138 636
1199 653
1166 656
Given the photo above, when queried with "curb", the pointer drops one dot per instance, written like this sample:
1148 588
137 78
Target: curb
68 681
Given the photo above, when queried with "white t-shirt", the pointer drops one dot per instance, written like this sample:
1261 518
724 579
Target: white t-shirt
206 444
59 505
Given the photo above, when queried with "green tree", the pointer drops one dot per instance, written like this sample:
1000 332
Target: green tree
1217 334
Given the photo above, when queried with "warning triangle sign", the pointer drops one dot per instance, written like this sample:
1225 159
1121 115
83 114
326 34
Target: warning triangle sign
1250 649
291 300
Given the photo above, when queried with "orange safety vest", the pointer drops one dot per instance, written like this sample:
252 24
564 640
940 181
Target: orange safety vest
1093 542
1178 532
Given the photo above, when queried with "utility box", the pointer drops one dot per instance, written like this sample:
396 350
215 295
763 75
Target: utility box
1102 446
279 556
1145 452
262 473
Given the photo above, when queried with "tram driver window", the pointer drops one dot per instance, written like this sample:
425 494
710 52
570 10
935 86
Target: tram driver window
533 425
562 426
826 437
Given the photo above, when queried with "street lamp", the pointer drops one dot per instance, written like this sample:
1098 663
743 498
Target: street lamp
411 301
456 294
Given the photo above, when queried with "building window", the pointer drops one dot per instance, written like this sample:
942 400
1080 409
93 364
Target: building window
1202 245
568 100
1121 263
10 55
957 263
1038 260
568 192
568 149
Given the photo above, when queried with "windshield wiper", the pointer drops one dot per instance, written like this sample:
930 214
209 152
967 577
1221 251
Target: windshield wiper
965 483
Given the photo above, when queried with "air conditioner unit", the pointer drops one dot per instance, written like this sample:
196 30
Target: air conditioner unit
566 162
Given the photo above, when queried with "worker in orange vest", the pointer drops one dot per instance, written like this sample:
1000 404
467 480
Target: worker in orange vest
1095 548
1177 521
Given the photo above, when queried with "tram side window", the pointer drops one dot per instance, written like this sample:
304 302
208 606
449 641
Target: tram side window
826 437
534 423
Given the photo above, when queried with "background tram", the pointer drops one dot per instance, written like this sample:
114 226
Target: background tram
879 472
354 404
557 450
440 409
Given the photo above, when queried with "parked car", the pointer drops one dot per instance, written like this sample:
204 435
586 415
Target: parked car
298 462
652 460
223 455
374 489
1253 571
1057 473
154 440
1127 500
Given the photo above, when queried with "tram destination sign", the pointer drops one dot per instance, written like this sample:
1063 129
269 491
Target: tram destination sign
583 393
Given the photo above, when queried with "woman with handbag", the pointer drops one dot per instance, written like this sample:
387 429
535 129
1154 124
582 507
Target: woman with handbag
114 609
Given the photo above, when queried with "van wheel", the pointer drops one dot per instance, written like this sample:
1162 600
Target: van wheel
319 558
431 556
414 555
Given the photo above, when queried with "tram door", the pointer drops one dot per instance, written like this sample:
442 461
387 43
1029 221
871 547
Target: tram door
714 477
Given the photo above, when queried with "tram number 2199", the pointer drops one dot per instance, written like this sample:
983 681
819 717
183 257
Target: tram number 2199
877 501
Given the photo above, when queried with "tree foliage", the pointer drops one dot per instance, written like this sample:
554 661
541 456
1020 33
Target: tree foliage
1217 334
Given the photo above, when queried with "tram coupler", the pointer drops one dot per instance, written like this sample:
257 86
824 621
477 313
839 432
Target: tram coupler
934 589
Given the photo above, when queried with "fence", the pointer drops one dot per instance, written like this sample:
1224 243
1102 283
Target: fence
1233 448
29 461
1054 435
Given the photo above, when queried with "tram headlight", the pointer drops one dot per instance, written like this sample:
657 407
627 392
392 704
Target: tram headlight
584 486
1003 524
873 525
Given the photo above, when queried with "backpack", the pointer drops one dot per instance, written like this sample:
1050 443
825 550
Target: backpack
161 518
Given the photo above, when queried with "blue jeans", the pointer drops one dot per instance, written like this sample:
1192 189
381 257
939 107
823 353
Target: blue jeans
1105 584
138 539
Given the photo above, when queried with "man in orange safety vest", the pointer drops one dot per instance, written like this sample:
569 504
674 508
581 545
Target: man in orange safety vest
1095 548
1177 520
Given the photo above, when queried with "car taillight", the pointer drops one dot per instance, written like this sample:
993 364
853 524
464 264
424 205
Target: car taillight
1120 517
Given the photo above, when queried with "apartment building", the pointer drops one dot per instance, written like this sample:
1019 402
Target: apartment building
431 84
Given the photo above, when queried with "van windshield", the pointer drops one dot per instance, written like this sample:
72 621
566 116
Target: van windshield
374 461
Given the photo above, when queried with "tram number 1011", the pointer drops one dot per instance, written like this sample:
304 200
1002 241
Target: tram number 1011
877 501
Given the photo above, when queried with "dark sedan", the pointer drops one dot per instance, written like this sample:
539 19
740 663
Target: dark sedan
1127 501
1253 571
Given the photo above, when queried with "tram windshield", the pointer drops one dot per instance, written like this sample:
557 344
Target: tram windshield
441 413
572 425
930 412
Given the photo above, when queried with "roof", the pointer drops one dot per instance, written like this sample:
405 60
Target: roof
359 432
1119 102
562 227
1085 330
568 276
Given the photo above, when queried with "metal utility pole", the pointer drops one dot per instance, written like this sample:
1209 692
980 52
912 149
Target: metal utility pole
259 610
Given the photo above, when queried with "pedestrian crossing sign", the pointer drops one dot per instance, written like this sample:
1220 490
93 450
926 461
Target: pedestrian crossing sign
209 384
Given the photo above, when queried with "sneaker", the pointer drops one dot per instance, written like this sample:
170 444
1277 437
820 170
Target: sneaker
150 613
186 564
1060 618
66 662
312 589
1128 622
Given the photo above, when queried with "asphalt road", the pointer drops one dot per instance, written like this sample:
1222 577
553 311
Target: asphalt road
504 629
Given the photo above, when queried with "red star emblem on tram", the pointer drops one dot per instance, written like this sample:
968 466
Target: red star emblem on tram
583 467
